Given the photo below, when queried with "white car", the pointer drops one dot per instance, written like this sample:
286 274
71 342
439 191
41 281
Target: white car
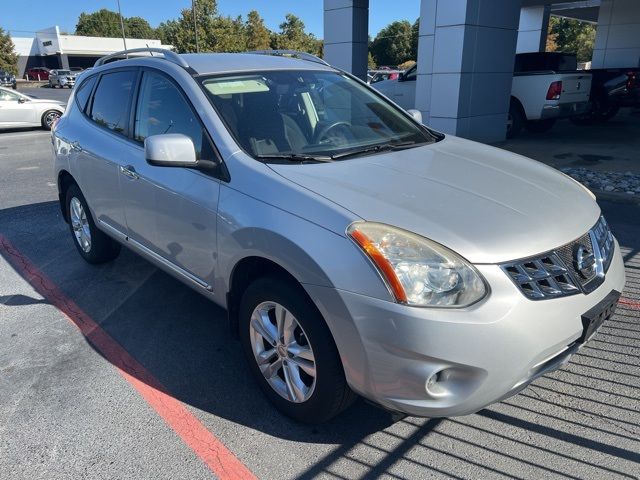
20 110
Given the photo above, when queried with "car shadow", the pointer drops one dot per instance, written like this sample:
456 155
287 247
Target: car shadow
179 336
578 422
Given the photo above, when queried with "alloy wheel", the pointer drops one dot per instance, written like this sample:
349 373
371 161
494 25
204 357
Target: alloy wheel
282 351
50 118
80 224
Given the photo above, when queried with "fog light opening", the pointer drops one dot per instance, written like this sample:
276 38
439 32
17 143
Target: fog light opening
435 384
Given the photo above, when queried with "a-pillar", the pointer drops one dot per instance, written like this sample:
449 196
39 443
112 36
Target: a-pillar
618 35
346 30
533 29
465 65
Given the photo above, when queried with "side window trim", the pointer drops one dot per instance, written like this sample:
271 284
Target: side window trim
222 173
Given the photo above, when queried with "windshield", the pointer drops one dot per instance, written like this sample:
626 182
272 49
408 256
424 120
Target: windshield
302 114
63 72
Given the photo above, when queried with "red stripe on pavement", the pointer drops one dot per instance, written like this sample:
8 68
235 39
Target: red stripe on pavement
215 455
630 303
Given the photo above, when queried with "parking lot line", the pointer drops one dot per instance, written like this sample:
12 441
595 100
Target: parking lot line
220 460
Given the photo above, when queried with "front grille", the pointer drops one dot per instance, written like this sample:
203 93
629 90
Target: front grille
579 266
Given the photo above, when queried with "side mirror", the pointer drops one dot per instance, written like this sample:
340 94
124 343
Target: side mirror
170 150
415 114
22 100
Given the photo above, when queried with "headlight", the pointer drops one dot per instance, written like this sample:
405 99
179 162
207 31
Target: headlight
418 271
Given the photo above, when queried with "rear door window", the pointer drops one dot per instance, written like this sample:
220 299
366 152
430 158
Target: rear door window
110 106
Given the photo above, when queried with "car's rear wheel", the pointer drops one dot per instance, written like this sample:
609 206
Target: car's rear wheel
291 352
515 120
92 244
49 118
540 126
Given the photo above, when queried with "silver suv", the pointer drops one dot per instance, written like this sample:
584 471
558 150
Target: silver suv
62 78
355 250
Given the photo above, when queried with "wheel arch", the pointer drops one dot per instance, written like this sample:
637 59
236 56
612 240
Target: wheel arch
244 272
65 180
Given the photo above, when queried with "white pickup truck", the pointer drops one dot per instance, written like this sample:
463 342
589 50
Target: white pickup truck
545 87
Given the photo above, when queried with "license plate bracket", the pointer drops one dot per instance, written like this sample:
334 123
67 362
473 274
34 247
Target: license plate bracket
596 316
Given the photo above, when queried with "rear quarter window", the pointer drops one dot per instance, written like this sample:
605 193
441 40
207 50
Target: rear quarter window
84 92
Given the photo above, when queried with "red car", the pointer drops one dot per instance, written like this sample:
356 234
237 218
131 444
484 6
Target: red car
37 73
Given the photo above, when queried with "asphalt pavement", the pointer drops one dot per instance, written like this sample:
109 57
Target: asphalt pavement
107 371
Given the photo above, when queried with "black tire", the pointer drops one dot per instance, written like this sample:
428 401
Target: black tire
540 126
103 248
515 120
331 394
46 124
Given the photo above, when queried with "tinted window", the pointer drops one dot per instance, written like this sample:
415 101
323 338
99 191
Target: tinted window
411 74
83 92
8 96
163 109
111 100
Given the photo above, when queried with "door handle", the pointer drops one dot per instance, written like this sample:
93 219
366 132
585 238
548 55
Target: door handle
129 171
76 146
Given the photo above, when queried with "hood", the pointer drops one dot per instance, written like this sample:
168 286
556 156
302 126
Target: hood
486 204
45 100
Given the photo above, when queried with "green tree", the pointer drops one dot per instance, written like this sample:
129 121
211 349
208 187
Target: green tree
138 27
103 23
415 36
229 35
258 36
573 36
181 31
292 36
392 45
371 63
8 56
106 23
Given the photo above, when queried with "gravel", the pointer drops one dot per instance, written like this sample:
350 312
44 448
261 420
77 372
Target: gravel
618 182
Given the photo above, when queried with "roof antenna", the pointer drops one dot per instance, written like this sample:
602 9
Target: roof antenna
150 52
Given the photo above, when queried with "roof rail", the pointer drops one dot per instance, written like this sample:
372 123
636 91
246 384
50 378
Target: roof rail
168 55
291 54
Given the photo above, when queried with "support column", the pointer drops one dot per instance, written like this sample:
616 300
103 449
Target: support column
346 30
618 35
533 29
465 57
63 61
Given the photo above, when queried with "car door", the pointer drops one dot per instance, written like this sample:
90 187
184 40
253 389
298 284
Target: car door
171 211
101 145
15 110
404 93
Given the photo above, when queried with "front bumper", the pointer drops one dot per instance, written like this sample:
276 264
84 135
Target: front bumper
479 355
564 110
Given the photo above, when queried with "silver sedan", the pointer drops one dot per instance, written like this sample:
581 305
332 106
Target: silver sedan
20 110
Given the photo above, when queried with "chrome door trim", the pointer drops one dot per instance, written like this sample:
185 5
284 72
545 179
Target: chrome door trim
158 258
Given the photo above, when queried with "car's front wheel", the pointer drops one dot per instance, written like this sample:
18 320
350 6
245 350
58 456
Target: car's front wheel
291 352
92 244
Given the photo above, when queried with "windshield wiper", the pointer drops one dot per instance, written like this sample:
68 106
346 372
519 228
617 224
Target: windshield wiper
294 157
377 148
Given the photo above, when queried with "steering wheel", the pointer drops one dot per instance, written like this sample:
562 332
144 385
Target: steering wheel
325 130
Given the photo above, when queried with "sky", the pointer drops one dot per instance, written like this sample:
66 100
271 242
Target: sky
39 14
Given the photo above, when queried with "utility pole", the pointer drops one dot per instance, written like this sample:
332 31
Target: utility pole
124 38
195 23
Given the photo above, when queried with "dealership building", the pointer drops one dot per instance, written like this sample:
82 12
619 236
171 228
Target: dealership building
466 51
49 48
